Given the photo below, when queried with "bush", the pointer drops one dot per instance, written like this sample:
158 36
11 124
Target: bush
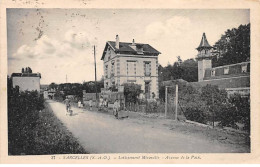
227 117
23 113
33 130
241 106
212 104
131 92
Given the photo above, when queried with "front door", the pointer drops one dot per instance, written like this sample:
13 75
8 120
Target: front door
147 90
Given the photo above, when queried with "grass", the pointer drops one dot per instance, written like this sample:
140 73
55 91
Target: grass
48 136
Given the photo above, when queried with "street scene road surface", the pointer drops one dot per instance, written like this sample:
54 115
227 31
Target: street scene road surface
102 133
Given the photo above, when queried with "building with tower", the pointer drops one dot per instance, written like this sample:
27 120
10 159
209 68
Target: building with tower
204 57
234 78
126 62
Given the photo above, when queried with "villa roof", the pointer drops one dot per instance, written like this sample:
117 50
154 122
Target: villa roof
125 48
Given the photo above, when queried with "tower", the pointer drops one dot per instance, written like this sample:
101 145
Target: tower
204 57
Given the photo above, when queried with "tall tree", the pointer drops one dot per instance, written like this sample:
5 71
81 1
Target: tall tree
233 46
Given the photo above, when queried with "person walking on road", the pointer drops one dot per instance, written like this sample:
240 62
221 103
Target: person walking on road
67 103
116 107
90 104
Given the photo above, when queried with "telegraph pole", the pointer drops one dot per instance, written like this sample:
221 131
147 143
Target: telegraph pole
66 78
166 105
176 105
95 75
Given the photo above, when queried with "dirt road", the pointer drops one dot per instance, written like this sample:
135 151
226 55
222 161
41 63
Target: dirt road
102 133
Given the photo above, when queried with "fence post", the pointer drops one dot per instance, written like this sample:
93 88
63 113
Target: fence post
166 102
213 112
176 103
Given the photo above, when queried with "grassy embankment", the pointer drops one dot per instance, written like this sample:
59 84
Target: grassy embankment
37 132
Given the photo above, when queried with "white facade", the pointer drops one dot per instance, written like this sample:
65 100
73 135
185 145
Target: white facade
126 68
26 83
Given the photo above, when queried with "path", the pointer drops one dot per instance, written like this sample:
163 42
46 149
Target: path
102 133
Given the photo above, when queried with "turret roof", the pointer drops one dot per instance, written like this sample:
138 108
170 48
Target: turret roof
204 42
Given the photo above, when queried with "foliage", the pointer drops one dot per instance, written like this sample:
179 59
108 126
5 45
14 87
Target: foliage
212 104
186 70
64 89
33 130
23 109
233 46
162 93
241 106
195 108
131 92
113 88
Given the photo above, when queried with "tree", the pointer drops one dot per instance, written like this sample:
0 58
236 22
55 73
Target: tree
53 86
189 70
22 70
131 92
233 46
216 100
186 70
241 106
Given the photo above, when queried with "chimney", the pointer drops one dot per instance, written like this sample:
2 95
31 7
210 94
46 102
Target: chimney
133 43
117 42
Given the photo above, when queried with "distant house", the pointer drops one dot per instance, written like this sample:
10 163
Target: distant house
126 62
26 81
234 78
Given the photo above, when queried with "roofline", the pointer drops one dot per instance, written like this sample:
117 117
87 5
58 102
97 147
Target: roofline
204 47
111 45
246 62
27 75
114 49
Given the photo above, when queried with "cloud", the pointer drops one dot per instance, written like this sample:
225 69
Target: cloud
155 30
174 26
25 51
78 40
47 47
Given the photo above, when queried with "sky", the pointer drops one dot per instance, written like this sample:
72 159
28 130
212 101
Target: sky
59 42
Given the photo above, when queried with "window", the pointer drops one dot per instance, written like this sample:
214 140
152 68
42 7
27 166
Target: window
212 72
112 69
131 68
226 70
147 68
109 53
244 68
106 71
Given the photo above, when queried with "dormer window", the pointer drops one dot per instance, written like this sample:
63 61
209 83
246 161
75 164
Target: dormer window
139 49
244 68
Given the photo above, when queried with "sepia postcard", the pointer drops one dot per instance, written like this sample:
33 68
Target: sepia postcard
127 82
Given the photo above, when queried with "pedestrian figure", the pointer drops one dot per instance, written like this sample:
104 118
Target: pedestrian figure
79 104
105 103
101 101
90 104
116 108
67 103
